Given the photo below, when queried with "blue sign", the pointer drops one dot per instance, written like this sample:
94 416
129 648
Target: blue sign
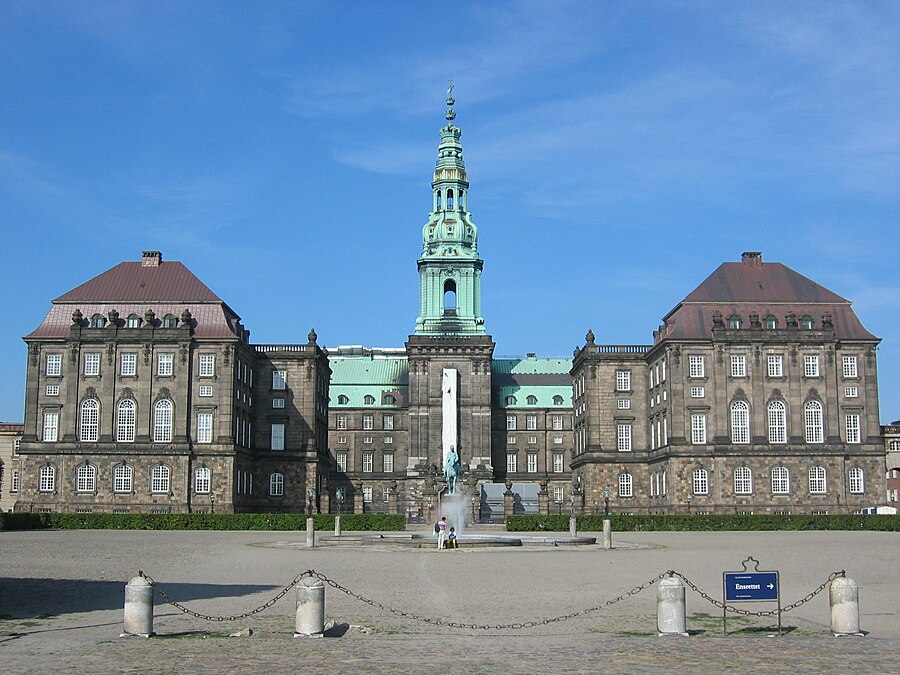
751 586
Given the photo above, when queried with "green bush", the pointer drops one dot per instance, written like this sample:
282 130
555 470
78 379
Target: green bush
197 521
715 523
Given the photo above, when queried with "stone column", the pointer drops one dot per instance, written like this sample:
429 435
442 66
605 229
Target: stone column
359 506
543 499
509 500
394 499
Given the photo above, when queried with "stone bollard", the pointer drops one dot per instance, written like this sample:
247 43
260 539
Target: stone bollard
337 526
607 534
138 608
670 611
573 526
310 619
310 533
843 596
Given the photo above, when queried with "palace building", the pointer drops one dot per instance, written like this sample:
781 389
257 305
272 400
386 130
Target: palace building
758 394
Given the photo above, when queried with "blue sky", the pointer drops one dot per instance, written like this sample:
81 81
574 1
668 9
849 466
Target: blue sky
618 153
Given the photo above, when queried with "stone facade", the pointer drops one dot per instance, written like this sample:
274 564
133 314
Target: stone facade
10 439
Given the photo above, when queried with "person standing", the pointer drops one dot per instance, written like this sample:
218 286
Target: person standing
442 532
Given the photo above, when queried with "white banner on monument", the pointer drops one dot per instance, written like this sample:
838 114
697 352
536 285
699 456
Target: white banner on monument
449 408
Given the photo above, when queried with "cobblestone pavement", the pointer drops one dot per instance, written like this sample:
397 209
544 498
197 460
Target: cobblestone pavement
61 604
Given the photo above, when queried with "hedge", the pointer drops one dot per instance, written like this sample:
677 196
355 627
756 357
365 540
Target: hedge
637 523
197 521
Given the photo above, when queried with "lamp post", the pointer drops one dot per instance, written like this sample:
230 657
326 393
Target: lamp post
339 494
689 498
310 499
606 500
574 497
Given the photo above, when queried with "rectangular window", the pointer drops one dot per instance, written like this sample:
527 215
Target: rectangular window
341 458
279 379
510 422
512 463
532 440
558 463
367 494
557 422
557 440
277 439
165 364
51 426
92 363
388 462
277 402
47 479
510 440
851 392
776 365
388 421
623 437
368 462
531 422
342 422
856 481
623 404
663 371
206 390
367 440
811 365
850 366
696 366
388 440
698 429
207 365
368 422
623 380
342 439
559 494
14 483
385 494
54 364
128 364
851 423
532 462
52 390
698 392
202 481
204 427
701 482
739 366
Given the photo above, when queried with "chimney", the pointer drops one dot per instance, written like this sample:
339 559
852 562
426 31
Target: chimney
752 258
151 259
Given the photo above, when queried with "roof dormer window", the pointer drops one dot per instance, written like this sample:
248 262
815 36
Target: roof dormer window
98 321
734 322
806 322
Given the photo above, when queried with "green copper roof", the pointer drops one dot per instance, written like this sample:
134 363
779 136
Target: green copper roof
543 396
357 377
531 365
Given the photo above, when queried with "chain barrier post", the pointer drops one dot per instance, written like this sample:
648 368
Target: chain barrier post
573 526
310 617
337 526
843 596
138 608
310 533
607 534
670 607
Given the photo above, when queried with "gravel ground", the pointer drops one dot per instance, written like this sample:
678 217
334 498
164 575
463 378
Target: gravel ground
61 604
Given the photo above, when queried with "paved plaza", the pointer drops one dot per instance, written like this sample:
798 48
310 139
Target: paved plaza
61 604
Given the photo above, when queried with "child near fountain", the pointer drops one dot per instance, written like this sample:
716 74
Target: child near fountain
451 539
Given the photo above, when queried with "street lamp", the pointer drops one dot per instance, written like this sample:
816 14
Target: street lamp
573 498
689 498
606 500
339 493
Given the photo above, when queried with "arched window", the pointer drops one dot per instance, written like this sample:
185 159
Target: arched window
812 415
700 482
817 484
125 421
440 200
389 399
511 400
781 480
85 478
368 399
343 400
162 421
856 480
740 422
169 321
159 478
806 322
777 422
47 479
276 485
134 321
202 480
450 295
98 321
626 485
122 478
771 322
532 399
743 481
89 429
557 400
449 199
734 322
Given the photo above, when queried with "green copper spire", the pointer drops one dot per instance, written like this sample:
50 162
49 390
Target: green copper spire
449 268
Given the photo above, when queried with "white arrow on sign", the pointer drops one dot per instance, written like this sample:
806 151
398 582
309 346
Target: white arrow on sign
771 586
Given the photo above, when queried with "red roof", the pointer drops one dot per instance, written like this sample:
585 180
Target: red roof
135 282
765 282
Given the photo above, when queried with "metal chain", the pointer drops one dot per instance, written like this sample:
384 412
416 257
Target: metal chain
774 612
234 617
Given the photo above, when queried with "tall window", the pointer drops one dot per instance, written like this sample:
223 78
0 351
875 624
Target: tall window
388 462
623 437
557 422
811 365
850 366
128 364
279 379
367 494
54 364
85 478
47 479
817 480
559 494
368 422
89 429
626 485
165 364
159 478
700 481
739 366
204 427
851 423
740 422
777 422
512 463
207 365
558 463
510 422
162 421
276 485
698 428
51 426
812 417
14 481
776 365
122 478
855 478
342 422
743 481
623 380
368 462
532 465
125 421
531 422
92 363
277 437
341 459
696 366
202 480
781 480
388 422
